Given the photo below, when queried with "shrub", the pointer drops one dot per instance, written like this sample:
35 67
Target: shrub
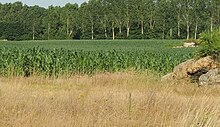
210 45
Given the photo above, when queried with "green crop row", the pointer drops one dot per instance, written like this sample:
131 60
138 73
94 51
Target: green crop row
57 62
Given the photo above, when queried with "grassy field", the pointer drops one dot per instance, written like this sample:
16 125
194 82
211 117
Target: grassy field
55 58
107 100
94 45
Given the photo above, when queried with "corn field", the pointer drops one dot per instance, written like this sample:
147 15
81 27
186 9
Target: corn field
58 62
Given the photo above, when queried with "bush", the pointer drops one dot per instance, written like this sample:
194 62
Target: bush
210 45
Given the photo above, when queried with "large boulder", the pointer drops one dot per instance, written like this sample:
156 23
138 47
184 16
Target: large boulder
212 77
181 70
192 68
205 63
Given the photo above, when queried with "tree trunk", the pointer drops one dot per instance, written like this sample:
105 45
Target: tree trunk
128 27
105 26
151 21
187 27
171 33
120 26
83 28
211 24
113 30
178 26
128 31
92 31
33 32
128 21
106 36
113 33
186 15
196 29
67 28
48 31
142 27
103 22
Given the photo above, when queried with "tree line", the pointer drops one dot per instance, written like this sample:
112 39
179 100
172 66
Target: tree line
110 19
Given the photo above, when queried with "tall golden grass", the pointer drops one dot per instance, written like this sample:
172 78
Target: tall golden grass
107 100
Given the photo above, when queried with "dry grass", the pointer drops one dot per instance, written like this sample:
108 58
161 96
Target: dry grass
103 101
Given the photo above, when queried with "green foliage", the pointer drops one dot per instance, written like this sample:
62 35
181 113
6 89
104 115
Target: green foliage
210 44
88 58
12 30
101 19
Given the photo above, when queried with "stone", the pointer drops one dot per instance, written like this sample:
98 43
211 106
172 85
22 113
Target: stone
192 69
212 77
180 71
202 63
189 44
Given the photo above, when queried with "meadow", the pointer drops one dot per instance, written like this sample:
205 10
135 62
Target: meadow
104 100
93 45
58 58
100 84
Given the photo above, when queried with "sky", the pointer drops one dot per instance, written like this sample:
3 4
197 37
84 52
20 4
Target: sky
45 3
